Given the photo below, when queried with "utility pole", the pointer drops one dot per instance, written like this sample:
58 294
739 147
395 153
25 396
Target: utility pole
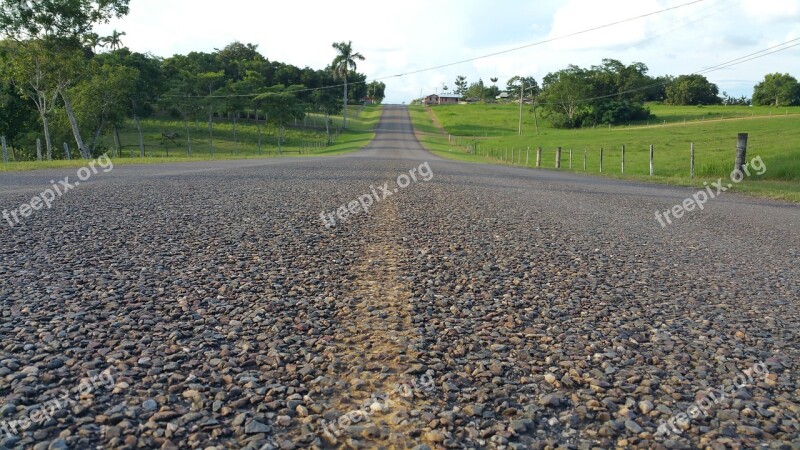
521 96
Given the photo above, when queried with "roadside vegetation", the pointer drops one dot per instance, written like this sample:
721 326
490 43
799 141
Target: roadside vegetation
68 93
483 132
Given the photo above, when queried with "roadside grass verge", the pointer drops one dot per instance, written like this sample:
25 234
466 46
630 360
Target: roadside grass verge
299 141
489 135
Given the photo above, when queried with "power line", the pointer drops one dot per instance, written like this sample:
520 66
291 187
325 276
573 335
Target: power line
502 52
545 41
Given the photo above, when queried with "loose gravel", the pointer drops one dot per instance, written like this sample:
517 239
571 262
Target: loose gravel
548 310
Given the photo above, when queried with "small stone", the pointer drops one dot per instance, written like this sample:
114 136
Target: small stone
433 436
376 407
58 444
283 421
553 400
646 406
256 427
633 427
517 427
550 378
150 405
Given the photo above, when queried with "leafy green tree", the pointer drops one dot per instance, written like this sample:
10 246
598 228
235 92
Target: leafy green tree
344 63
102 100
777 89
461 85
281 105
36 74
68 19
326 101
17 114
564 94
376 91
513 87
692 90
151 82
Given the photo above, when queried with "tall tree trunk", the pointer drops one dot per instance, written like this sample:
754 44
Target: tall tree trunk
344 113
47 140
74 124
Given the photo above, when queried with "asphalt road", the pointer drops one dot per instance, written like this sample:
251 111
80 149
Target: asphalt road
208 305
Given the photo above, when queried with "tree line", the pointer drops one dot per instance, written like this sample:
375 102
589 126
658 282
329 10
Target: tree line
615 93
62 81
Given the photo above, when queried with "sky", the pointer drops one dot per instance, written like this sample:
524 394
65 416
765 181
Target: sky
413 35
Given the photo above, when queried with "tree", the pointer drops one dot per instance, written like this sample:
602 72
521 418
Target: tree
114 41
325 100
531 87
35 73
564 93
281 104
93 41
376 91
692 90
461 85
69 19
342 64
103 98
777 89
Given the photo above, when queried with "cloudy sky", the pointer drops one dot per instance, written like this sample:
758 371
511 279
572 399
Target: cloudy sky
413 35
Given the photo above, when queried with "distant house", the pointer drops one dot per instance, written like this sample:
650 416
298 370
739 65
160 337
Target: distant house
442 99
502 96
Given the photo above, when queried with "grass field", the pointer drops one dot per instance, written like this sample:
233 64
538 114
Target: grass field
298 141
491 131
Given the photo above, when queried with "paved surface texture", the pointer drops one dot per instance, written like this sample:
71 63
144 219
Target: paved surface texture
207 306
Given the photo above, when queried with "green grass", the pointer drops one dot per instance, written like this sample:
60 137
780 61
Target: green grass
298 141
493 127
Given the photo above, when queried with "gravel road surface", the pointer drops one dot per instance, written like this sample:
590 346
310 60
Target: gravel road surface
207 305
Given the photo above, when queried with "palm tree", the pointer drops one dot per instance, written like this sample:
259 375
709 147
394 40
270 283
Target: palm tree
93 40
344 62
114 41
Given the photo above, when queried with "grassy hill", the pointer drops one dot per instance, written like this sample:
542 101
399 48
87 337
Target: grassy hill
489 131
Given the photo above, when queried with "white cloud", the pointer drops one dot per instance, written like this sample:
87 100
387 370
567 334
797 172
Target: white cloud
420 34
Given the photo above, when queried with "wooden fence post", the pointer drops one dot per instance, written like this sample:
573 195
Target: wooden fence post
539 157
141 138
570 159
5 149
558 157
692 160
623 160
66 152
38 149
584 160
652 170
741 152
601 159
